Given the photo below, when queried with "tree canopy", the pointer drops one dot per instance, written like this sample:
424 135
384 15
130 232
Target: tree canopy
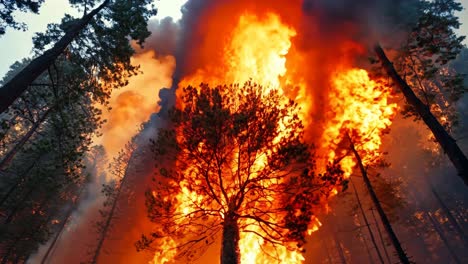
43 143
8 7
236 159
423 59
98 42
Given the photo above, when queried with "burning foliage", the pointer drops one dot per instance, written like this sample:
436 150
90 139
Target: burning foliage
234 163
250 165
260 46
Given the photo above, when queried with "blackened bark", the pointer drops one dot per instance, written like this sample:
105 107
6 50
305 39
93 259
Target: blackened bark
367 224
450 217
324 244
380 236
339 248
386 223
447 143
18 182
18 207
110 216
230 253
18 84
62 225
442 236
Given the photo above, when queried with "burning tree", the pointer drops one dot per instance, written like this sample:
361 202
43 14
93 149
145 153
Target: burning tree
234 163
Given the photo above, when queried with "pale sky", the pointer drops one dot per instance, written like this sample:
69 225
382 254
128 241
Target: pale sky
15 45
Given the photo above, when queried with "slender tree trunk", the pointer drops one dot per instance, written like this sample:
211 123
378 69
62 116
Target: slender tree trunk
366 245
26 234
362 238
20 179
6 255
11 154
380 236
388 227
435 224
339 248
447 143
17 207
107 224
324 244
20 82
230 253
415 197
441 234
450 217
367 224
62 226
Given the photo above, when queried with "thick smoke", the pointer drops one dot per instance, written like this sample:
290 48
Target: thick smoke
131 106
331 34
165 34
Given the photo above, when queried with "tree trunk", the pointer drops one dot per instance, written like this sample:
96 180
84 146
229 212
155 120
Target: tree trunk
324 244
339 248
367 224
416 197
366 245
450 217
11 154
63 224
230 253
444 239
380 236
20 82
20 179
107 224
26 235
17 207
8 251
447 143
388 227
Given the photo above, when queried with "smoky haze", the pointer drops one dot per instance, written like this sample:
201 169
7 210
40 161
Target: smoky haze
330 33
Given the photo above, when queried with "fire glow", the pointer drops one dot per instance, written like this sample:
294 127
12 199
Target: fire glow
258 49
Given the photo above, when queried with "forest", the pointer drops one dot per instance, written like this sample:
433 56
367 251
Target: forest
299 131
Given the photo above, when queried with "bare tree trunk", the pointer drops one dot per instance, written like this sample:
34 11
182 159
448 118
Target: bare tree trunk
439 231
369 254
20 179
380 236
339 248
62 226
230 253
17 207
367 224
28 233
6 255
447 143
450 217
20 82
11 154
415 197
435 225
388 227
110 216
324 244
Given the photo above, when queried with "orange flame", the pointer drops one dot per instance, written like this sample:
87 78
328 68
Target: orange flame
361 106
258 48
